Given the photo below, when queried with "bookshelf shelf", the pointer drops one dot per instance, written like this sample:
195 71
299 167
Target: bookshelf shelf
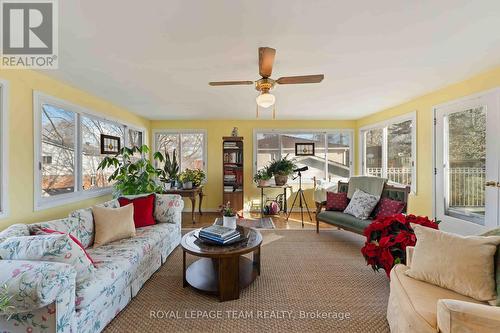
232 171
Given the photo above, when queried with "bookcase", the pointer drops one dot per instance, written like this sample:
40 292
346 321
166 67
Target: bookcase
232 171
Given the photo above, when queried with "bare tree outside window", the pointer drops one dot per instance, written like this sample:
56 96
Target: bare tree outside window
189 147
92 128
58 141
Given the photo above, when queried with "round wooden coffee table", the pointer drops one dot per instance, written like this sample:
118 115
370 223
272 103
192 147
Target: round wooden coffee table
222 270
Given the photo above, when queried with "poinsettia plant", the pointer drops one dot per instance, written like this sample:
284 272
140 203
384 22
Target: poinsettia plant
388 237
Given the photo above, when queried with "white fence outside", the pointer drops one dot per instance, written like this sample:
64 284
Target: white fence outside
466 184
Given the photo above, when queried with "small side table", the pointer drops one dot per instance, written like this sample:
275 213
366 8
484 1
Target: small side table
191 194
283 187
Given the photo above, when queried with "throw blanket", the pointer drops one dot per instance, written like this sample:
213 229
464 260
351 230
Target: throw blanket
369 184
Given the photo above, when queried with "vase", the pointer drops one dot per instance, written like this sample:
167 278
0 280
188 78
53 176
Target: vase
280 180
167 186
229 221
264 183
187 185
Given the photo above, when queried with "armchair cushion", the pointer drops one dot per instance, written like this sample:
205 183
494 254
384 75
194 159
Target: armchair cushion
454 316
462 264
361 204
496 232
336 201
53 247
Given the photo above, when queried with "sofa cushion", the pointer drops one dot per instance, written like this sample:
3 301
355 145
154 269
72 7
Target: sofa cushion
68 225
53 247
336 201
496 232
118 263
344 220
387 207
86 226
166 207
143 209
14 230
361 204
462 264
417 300
113 224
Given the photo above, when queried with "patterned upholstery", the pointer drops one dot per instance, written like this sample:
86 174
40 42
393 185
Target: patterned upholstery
47 299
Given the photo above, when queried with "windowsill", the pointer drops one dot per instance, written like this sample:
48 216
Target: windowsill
64 199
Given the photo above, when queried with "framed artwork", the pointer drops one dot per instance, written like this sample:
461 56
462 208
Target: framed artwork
110 144
304 149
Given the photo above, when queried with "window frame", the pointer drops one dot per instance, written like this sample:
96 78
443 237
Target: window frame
328 131
4 148
384 125
41 203
171 131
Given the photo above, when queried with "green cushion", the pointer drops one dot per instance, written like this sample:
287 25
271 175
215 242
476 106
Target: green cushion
344 220
496 232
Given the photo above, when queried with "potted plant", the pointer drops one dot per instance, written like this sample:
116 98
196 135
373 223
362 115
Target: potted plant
228 215
281 169
198 177
131 176
262 177
170 171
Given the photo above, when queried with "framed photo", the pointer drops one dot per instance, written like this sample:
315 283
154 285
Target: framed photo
110 144
304 149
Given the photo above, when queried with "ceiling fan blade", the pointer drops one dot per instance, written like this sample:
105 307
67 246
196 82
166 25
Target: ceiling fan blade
300 79
230 83
266 60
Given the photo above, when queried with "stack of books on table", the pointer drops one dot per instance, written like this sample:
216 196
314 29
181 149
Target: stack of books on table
219 234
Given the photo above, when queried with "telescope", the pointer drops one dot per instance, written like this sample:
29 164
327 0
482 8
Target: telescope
301 169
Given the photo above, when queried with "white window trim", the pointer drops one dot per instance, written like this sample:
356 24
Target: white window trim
4 149
384 126
185 131
139 129
327 131
41 203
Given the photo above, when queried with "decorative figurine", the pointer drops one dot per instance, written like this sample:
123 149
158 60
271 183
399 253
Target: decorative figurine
235 131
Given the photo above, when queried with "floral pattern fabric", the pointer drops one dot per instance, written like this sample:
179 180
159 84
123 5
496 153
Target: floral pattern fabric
361 204
168 208
14 231
122 268
86 226
51 247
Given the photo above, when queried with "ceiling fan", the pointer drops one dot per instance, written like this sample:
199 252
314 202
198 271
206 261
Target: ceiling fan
265 83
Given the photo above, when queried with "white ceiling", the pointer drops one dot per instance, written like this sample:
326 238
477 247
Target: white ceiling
156 57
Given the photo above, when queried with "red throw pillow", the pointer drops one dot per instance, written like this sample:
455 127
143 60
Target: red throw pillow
388 207
336 201
42 231
143 209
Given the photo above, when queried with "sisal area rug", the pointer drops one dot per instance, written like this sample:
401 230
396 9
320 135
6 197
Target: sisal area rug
309 282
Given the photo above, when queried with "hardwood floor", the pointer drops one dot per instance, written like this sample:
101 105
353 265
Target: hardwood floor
279 221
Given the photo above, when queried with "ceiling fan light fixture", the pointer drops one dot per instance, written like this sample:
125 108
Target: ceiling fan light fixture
265 100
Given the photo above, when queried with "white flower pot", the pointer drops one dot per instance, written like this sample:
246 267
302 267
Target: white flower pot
264 183
167 186
229 221
187 185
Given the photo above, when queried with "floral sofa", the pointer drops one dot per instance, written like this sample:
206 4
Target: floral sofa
45 294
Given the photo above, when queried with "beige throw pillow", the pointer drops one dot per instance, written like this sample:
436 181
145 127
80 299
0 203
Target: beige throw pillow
462 264
112 224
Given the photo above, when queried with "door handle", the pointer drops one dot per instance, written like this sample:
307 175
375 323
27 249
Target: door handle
492 183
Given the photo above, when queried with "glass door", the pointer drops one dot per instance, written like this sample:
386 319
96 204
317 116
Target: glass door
467 163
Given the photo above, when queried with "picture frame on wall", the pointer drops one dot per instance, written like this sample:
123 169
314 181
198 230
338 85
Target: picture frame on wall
304 149
110 144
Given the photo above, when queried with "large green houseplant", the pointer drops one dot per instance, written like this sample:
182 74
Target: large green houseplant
170 171
281 169
131 175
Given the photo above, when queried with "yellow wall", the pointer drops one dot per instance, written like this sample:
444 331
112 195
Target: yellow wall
421 203
21 85
216 129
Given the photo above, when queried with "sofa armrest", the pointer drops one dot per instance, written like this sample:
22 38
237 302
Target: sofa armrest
458 316
169 208
409 255
35 284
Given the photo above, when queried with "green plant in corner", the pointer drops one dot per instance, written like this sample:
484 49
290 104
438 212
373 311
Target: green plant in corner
131 175
170 171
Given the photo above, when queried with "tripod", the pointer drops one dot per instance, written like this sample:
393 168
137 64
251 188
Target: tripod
302 200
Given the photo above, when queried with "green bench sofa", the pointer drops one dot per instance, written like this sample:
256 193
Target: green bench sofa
351 223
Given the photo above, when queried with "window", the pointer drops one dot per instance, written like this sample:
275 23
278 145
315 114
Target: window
332 151
3 148
388 150
135 138
69 152
190 147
